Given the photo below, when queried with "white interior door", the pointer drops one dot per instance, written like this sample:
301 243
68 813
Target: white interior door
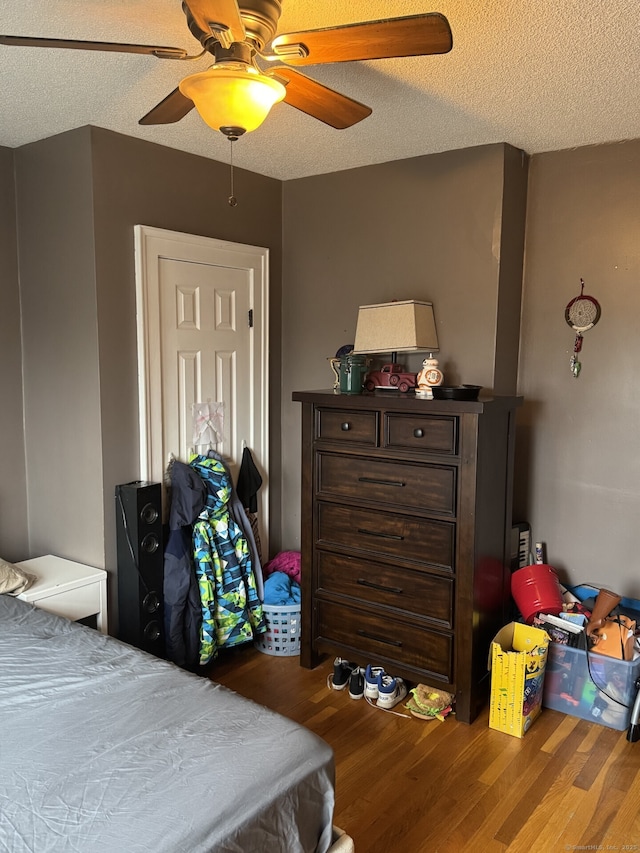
202 338
206 357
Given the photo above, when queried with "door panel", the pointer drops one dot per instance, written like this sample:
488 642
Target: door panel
195 345
205 351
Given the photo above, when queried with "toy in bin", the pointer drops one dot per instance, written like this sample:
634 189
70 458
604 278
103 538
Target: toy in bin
598 678
613 633
597 688
610 632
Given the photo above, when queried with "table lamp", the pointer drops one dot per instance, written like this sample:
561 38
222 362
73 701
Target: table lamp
393 327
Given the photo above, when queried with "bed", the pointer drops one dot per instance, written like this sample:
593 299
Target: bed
104 748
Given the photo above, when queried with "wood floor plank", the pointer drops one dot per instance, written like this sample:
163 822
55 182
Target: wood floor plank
551 833
625 826
590 739
565 727
439 809
509 750
503 818
545 827
609 800
597 757
536 790
584 804
627 761
447 787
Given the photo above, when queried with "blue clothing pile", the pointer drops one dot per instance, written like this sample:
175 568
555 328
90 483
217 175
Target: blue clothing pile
280 590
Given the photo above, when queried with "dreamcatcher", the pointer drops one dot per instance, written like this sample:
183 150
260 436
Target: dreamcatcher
582 313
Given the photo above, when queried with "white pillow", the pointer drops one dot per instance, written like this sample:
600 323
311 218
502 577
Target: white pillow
13 579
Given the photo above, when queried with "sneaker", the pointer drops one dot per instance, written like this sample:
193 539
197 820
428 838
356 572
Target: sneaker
342 670
371 674
390 691
356 683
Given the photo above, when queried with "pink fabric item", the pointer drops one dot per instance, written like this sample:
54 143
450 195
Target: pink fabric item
287 562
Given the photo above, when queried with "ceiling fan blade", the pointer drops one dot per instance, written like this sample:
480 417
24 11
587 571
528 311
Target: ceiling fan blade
414 35
72 44
223 14
174 107
318 100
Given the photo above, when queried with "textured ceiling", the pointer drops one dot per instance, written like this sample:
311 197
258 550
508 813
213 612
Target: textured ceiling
539 74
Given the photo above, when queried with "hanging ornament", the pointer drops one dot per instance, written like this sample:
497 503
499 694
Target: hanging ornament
582 313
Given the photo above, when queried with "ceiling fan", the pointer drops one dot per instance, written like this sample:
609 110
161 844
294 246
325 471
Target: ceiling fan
235 95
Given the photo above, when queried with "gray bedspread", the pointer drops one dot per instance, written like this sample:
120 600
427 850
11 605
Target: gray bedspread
105 749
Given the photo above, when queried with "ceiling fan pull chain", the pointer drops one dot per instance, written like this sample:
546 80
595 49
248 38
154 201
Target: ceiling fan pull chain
233 201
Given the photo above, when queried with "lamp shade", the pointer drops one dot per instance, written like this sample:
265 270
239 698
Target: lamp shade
232 94
407 326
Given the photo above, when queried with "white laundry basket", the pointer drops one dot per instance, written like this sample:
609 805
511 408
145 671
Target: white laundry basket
282 637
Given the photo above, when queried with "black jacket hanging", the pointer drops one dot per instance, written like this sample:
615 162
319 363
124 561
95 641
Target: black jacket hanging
182 610
249 482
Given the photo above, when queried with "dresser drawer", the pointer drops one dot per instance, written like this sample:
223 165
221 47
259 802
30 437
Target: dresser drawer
418 540
379 636
428 487
430 433
390 586
347 426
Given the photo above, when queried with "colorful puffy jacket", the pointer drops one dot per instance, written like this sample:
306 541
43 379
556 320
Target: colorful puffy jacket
231 608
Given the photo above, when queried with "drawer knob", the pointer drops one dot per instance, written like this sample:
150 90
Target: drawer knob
346 426
418 433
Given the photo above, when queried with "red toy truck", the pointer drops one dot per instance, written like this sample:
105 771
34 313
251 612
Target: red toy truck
390 376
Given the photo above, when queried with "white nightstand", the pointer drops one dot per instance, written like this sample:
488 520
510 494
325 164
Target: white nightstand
67 589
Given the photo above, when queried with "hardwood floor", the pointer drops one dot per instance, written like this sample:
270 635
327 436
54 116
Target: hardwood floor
445 787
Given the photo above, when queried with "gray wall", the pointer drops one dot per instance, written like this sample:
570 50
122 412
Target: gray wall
578 455
60 348
79 196
447 228
135 182
13 488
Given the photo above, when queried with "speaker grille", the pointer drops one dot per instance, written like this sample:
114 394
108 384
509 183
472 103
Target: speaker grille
150 543
148 514
151 602
152 632
140 565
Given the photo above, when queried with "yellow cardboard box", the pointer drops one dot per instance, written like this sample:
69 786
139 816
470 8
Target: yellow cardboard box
517 663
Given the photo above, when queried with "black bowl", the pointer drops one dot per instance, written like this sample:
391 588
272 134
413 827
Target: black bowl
456 392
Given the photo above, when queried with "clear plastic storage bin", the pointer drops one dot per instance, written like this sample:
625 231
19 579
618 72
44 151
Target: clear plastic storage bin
595 687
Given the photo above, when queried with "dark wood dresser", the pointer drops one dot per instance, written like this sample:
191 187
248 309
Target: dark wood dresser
406 532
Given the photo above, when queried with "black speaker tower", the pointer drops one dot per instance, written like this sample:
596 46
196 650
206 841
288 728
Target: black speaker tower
140 565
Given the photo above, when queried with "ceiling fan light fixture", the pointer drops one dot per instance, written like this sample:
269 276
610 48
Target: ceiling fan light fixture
232 94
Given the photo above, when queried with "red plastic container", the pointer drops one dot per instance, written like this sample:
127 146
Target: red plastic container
536 589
